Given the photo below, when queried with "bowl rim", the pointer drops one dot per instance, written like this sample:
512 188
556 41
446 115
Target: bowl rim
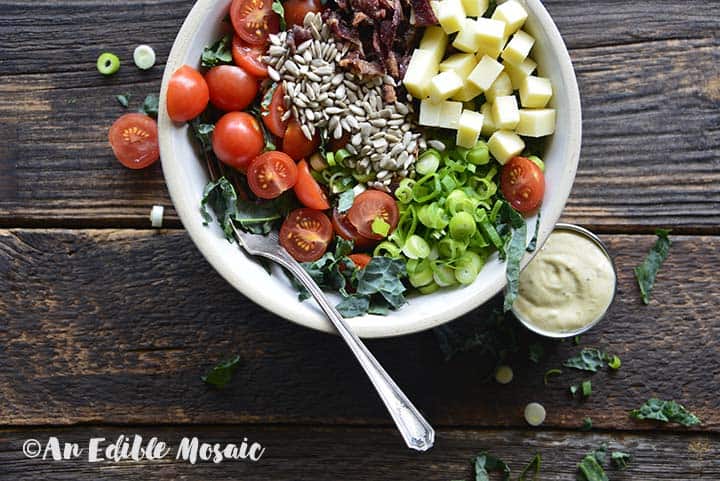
368 326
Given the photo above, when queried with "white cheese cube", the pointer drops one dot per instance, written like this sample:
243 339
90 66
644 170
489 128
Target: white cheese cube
505 112
450 114
491 36
475 8
467 92
467 38
461 63
451 15
535 92
504 145
444 85
434 40
485 73
513 14
518 48
501 86
518 72
469 129
419 72
489 126
429 113
536 123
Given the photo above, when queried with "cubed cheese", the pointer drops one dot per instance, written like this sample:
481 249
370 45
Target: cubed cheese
535 92
505 112
444 85
461 63
430 113
504 145
434 40
467 92
467 38
420 71
485 73
475 8
513 14
489 126
469 129
518 72
491 36
501 86
518 48
450 114
536 122
451 15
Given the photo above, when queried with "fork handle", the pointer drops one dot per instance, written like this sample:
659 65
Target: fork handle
415 430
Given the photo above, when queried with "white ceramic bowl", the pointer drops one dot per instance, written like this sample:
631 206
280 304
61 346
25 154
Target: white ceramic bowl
186 176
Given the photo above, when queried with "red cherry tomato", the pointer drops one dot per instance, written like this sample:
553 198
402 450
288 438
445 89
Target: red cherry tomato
272 116
187 94
231 88
249 57
134 140
305 234
271 174
254 20
360 260
295 10
370 205
296 145
237 139
347 231
523 184
308 191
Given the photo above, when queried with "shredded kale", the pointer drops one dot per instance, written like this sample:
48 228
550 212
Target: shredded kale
535 352
203 133
150 106
221 374
647 271
589 359
123 99
278 8
533 242
218 53
620 459
484 463
345 200
590 468
587 424
511 224
533 468
665 411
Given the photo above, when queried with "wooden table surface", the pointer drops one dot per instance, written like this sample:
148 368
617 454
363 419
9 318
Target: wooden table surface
106 325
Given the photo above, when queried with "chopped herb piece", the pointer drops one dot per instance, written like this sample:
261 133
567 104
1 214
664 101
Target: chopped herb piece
203 133
218 53
600 453
150 106
532 469
589 359
278 8
586 388
345 200
380 227
665 411
620 459
574 389
576 340
513 249
353 306
123 99
221 374
587 424
551 372
535 352
647 271
590 469
533 242
614 362
485 463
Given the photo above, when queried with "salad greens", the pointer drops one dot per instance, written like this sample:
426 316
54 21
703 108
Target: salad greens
587 424
620 459
591 469
203 134
665 411
150 106
123 99
221 374
646 272
533 468
278 8
589 359
513 250
485 462
218 53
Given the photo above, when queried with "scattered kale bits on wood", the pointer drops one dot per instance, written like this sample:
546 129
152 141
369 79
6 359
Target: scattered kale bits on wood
485 463
221 374
646 272
665 411
589 359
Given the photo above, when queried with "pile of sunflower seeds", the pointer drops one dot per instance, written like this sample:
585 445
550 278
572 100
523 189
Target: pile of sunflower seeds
320 94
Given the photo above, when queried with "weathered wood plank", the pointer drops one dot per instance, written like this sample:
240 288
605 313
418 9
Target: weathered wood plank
648 82
365 454
118 326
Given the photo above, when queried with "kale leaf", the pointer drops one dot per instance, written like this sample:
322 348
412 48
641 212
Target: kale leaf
123 99
590 469
345 200
278 8
203 133
620 459
589 359
382 277
646 272
150 106
665 411
512 224
218 53
485 462
221 374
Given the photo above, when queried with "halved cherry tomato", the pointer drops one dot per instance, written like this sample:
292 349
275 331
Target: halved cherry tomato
360 260
187 94
305 234
347 231
134 140
237 139
271 174
308 191
231 88
296 145
249 57
254 20
272 117
370 205
523 184
295 10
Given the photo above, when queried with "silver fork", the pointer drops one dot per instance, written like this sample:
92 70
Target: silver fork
415 430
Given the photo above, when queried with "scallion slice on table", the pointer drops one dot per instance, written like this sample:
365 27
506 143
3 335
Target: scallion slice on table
535 414
108 63
144 57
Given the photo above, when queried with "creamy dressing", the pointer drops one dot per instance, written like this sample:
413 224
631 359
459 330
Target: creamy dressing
568 285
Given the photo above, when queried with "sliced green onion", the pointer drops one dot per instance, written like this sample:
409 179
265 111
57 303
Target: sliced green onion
462 226
479 155
535 414
443 275
429 288
614 362
467 267
471 168
404 194
448 183
537 161
341 155
458 201
504 374
156 216
144 57
484 188
551 372
422 274
330 157
477 241
363 178
586 388
490 232
428 163
433 216
387 249
495 210
427 188
416 247
108 63
450 248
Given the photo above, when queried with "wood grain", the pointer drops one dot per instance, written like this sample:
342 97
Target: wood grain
649 85
117 326
299 454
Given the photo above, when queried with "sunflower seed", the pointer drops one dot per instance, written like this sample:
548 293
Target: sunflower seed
338 133
306 132
437 145
378 123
